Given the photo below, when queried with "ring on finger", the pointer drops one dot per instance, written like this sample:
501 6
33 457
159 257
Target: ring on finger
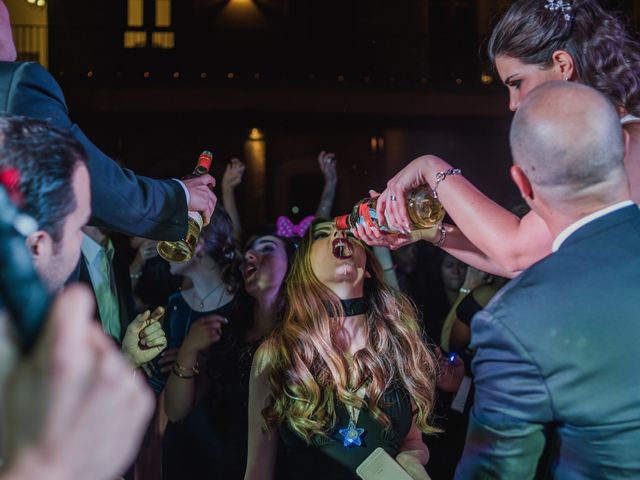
392 197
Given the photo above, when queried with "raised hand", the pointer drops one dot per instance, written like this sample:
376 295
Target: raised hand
327 162
145 252
233 174
201 196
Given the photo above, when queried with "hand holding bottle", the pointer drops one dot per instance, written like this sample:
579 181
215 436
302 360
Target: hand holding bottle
422 206
372 236
392 207
201 206
201 196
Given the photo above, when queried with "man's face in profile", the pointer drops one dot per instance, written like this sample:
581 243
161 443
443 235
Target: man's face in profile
55 267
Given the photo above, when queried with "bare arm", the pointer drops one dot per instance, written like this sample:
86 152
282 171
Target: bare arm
181 392
231 179
455 243
388 268
460 247
262 444
513 243
414 454
327 163
184 384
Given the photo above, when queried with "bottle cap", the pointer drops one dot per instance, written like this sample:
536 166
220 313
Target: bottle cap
341 222
204 162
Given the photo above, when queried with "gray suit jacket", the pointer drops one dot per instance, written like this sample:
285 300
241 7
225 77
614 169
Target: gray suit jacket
558 350
121 200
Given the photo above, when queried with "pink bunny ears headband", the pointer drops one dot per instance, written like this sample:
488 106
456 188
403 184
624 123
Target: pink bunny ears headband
287 229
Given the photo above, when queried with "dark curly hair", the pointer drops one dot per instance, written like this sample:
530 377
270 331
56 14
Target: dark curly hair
221 246
605 53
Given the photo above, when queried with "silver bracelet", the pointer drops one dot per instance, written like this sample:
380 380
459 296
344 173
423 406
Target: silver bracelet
443 235
440 176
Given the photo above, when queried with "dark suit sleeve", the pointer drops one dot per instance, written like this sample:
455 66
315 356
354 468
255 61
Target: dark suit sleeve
505 437
121 200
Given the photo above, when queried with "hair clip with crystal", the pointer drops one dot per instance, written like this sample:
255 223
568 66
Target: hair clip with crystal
564 7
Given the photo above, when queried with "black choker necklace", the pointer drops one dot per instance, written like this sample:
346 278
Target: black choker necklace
354 306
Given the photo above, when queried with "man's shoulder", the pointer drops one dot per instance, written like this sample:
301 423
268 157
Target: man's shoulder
577 274
23 69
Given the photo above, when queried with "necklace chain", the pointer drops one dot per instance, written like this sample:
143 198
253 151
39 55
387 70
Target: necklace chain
201 300
351 409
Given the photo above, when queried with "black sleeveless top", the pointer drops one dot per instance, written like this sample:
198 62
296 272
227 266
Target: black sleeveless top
328 459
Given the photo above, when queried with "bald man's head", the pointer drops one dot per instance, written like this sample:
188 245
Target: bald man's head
7 45
566 137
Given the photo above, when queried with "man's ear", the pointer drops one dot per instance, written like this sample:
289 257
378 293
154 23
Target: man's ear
522 182
627 140
40 245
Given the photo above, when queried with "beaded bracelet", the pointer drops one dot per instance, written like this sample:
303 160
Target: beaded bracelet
179 374
179 368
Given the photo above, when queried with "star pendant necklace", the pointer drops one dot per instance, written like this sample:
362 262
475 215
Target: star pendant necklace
352 435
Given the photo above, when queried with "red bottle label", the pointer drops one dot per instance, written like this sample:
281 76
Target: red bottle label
204 161
342 222
368 216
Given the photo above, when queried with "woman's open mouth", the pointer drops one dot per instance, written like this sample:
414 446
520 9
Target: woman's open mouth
249 270
342 248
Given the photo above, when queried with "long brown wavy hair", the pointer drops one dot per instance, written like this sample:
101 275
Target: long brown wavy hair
605 52
308 370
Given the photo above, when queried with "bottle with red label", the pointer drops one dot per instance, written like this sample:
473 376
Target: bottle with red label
183 250
424 210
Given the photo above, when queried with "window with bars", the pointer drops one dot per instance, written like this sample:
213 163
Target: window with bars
149 24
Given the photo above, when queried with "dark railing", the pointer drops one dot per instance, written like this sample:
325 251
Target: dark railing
251 58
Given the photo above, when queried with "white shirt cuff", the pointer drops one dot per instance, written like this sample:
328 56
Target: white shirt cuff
186 190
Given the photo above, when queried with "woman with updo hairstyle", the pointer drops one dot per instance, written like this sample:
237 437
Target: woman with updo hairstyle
601 52
534 42
345 372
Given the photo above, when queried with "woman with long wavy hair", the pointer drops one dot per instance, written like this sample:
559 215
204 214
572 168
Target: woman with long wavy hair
345 372
534 42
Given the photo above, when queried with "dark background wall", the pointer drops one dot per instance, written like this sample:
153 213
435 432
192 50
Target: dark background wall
311 75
